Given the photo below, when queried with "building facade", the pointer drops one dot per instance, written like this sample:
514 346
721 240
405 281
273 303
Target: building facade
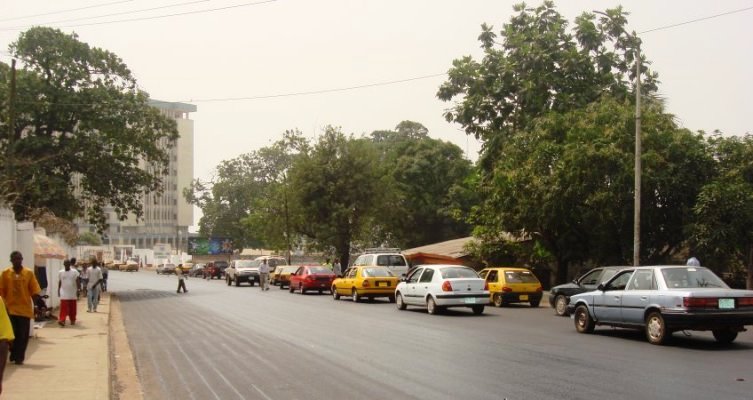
167 216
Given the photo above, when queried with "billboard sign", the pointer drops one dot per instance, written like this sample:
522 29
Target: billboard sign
162 251
209 246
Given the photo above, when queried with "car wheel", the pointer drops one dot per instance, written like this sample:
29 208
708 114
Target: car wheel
560 305
237 282
535 303
301 290
391 298
335 295
498 300
282 286
583 321
399 302
251 282
290 288
724 336
432 307
656 329
356 298
478 309
228 281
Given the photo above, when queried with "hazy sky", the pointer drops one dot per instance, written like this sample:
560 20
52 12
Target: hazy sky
268 48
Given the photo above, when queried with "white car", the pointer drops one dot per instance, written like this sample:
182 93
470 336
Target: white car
437 287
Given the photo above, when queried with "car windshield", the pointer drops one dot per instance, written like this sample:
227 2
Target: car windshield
244 264
319 270
169 266
458 272
376 272
391 260
520 277
691 277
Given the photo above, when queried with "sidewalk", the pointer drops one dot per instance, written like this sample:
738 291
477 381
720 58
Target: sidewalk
70 362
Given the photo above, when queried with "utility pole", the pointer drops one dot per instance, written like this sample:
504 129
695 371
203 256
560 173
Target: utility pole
638 150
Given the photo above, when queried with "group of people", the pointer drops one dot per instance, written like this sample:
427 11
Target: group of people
90 279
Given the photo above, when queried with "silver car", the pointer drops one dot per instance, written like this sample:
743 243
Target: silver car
665 299
438 287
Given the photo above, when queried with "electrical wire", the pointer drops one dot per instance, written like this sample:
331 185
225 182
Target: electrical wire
65 11
696 20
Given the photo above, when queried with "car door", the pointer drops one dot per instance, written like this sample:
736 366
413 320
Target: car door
295 278
409 295
608 302
424 285
492 279
637 295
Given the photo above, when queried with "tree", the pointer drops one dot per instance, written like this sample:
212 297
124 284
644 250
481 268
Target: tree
336 187
84 136
90 239
721 234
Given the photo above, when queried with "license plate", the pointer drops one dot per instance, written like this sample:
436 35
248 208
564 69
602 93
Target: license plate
726 303
383 283
470 300
322 285
524 297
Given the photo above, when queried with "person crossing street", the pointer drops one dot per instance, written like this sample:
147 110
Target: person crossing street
264 275
181 279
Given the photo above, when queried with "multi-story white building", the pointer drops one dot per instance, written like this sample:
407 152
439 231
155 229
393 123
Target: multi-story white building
167 216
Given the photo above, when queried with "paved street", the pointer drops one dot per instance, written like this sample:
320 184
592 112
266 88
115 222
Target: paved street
220 342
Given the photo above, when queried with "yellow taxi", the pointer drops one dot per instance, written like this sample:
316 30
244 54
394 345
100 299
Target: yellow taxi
512 285
360 282
281 276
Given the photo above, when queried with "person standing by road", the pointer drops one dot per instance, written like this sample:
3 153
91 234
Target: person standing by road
67 287
181 279
18 287
6 337
92 287
264 275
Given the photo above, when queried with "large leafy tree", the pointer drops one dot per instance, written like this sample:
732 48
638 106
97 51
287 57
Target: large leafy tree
83 135
337 186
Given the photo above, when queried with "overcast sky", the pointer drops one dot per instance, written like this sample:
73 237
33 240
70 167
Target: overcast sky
291 46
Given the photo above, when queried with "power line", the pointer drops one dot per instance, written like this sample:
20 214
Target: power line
110 15
696 20
65 11
166 15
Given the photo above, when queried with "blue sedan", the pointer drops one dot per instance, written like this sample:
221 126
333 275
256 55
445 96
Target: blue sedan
662 300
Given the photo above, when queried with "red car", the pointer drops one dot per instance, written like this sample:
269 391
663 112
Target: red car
311 277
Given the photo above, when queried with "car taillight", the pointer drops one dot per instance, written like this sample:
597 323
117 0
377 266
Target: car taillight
745 302
506 289
446 286
700 302
366 283
486 285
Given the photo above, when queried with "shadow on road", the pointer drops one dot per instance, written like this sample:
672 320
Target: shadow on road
678 339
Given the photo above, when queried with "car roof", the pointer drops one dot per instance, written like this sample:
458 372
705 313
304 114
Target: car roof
508 268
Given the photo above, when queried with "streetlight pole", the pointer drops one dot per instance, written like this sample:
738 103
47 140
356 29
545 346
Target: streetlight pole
638 150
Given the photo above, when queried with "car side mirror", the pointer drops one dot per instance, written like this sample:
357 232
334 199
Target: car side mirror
575 281
600 287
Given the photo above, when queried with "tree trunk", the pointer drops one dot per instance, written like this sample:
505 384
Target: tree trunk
561 271
749 283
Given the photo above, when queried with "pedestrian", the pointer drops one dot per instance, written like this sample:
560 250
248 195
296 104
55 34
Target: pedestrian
83 279
67 287
6 337
18 288
264 275
181 279
336 268
693 262
93 286
105 272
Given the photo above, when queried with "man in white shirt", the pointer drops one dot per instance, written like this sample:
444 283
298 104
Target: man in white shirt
67 292
92 287
264 275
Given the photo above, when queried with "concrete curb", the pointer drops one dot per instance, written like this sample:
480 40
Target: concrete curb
123 376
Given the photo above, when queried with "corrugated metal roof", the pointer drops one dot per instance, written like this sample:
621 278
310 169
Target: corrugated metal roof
451 248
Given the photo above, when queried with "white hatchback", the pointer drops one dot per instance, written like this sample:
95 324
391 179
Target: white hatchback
437 287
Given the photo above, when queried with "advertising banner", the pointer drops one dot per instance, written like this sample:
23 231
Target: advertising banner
209 246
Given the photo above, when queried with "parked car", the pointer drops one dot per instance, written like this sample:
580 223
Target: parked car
664 299
281 275
240 271
131 265
559 296
390 258
197 270
166 268
512 285
438 287
311 277
370 282
216 269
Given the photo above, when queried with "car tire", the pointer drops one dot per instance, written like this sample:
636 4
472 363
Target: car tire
724 336
399 302
583 321
237 282
355 297
656 329
478 309
535 303
301 290
251 282
335 295
497 299
282 286
228 281
432 307
391 298
560 305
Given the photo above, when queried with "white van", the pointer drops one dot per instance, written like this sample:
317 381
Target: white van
390 258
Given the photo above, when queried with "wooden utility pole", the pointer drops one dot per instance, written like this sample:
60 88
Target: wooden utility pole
637 196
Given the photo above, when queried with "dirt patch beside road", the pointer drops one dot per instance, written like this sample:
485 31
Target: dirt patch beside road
123 377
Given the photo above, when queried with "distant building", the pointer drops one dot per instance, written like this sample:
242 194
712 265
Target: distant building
166 217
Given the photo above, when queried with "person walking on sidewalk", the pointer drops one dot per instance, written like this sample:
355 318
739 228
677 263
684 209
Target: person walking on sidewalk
67 287
181 279
92 290
18 287
264 275
6 336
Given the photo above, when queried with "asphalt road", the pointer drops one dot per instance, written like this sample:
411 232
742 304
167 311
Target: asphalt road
220 342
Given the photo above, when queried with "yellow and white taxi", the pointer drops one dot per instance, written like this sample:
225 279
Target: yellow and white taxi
360 282
512 285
